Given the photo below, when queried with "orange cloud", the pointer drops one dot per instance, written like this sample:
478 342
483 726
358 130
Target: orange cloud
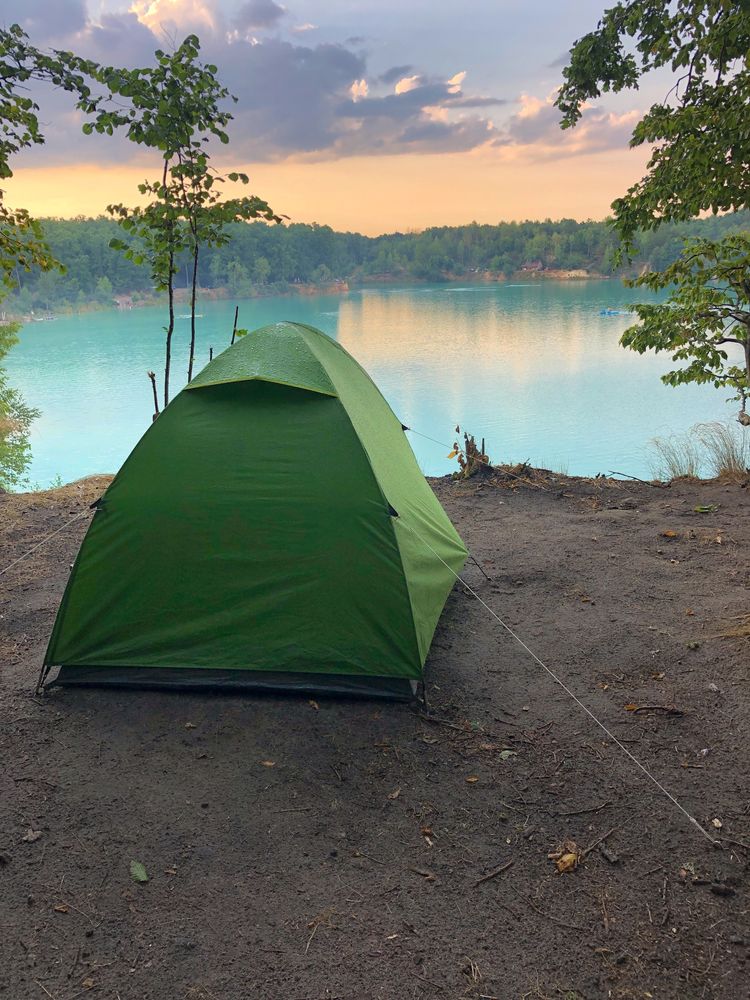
188 14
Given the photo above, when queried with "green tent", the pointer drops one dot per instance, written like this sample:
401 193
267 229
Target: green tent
270 529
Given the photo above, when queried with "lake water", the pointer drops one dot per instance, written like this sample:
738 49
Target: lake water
534 368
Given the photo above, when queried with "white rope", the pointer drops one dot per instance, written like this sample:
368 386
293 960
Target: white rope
43 542
567 690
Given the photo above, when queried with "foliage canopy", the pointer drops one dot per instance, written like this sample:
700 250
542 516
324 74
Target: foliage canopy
700 161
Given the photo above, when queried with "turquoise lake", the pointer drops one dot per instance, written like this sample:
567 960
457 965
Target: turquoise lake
534 368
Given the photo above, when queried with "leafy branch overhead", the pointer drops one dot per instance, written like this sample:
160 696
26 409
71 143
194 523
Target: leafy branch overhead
22 243
699 143
706 317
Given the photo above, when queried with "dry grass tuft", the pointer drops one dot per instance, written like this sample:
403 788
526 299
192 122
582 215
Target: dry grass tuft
739 631
721 450
675 457
726 448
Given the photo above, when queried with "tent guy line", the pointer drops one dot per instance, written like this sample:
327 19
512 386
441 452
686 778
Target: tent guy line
44 541
567 690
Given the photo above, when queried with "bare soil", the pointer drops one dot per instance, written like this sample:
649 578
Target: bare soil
352 849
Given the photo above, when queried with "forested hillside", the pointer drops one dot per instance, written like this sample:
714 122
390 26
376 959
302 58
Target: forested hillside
264 258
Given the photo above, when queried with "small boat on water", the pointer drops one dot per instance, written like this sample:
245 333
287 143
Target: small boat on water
615 312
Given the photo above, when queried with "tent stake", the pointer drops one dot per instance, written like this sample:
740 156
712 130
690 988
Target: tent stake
480 568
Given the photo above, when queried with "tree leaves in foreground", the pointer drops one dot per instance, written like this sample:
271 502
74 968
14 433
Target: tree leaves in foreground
15 420
699 136
707 314
22 244
21 240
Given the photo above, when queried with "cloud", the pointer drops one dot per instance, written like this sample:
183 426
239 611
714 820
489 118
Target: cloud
175 15
258 14
317 101
359 89
287 95
562 60
537 126
407 83
120 39
45 20
296 99
394 73
478 102
455 82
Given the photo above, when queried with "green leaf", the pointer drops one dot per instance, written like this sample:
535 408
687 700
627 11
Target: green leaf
138 872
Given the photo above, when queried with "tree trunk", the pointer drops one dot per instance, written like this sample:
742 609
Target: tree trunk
170 330
152 379
192 312
743 417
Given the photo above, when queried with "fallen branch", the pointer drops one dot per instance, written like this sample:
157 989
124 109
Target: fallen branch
739 843
423 980
667 709
654 486
606 836
555 920
442 722
494 873
580 812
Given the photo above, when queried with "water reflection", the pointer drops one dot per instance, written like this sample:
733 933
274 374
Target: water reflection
533 368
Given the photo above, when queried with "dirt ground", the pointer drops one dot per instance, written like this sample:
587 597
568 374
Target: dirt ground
301 850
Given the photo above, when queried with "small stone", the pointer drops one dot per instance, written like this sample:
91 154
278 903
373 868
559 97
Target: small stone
736 939
609 854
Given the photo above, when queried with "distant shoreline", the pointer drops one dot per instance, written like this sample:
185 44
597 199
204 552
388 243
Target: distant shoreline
125 303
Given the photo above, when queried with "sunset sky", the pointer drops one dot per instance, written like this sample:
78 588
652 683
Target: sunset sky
368 115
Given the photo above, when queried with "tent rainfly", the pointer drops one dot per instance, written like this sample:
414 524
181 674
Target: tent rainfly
271 529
